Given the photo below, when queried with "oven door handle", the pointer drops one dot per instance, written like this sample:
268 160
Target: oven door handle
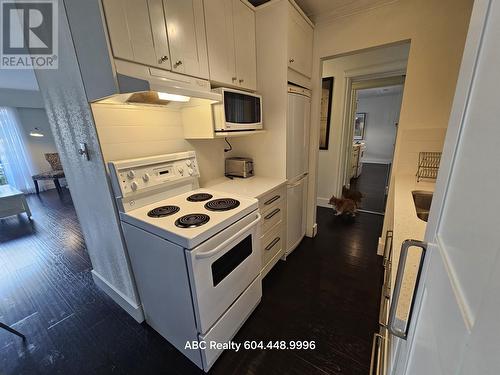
221 247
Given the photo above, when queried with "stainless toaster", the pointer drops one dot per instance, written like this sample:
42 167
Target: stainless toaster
239 167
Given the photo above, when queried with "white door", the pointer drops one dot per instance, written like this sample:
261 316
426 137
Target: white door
244 41
455 328
220 40
137 31
186 36
297 134
295 212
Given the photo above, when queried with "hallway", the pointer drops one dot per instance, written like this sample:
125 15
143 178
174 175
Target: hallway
327 291
371 183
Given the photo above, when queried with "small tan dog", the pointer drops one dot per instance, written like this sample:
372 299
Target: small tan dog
343 206
348 204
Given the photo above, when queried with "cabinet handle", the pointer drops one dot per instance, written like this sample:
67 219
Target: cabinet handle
162 59
274 212
234 79
291 60
376 359
177 63
271 245
387 249
273 199
393 327
241 80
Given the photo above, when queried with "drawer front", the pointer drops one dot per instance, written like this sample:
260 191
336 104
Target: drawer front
273 198
227 326
272 216
272 243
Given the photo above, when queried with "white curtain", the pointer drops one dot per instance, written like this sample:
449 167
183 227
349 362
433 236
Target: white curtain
14 155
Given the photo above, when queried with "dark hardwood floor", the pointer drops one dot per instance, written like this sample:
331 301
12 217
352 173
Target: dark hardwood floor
371 183
327 291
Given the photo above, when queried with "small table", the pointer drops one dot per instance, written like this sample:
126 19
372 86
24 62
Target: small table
12 202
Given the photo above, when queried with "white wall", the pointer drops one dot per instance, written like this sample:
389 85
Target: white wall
437 31
382 113
133 131
380 60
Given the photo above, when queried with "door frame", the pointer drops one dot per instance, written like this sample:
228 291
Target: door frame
353 85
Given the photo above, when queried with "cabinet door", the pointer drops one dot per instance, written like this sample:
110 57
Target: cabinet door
244 41
137 31
186 36
220 40
300 43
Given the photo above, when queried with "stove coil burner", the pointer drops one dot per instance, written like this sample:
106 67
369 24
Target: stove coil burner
222 204
192 220
163 211
199 197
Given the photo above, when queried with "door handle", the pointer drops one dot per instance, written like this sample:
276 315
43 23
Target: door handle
393 326
221 247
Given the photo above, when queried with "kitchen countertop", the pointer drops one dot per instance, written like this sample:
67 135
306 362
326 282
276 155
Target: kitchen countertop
406 226
255 186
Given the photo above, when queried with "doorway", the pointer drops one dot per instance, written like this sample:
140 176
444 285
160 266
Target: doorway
342 157
374 120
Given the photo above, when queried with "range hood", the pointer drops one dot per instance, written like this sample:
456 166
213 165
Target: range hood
139 84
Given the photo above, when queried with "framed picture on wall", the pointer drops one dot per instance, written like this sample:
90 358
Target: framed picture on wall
326 112
359 126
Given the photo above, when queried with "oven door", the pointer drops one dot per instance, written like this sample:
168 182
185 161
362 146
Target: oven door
221 268
242 111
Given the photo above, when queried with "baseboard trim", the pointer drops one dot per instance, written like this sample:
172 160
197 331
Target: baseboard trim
121 299
323 202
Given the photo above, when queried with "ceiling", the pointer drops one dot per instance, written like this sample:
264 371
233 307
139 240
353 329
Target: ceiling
320 10
20 79
380 91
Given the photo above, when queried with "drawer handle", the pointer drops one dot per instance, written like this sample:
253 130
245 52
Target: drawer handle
387 248
274 242
274 212
273 199
376 357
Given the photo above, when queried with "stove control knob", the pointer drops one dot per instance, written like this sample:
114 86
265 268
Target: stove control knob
188 163
190 171
181 170
145 177
131 174
134 185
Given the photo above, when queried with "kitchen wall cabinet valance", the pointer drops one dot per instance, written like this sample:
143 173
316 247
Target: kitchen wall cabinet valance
167 34
230 27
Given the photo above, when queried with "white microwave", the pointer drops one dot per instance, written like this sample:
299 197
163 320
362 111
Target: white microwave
238 110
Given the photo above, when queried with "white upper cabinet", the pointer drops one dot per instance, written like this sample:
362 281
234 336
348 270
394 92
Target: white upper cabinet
300 42
137 31
186 37
230 26
244 41
167 34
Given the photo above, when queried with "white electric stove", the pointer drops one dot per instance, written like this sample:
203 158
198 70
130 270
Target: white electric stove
194 252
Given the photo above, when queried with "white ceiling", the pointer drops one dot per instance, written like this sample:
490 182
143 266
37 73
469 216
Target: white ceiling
20 79
320 10
380 91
